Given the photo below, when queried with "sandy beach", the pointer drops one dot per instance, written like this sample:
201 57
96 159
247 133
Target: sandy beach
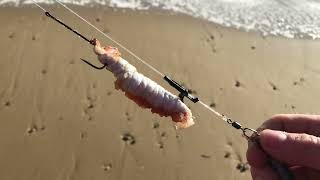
62 120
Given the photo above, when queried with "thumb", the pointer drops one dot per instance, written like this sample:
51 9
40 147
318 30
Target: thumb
292 148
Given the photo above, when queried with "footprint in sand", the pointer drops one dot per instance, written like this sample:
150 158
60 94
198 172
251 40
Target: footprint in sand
211 41
89 108
241 166
163 135
213 105
106 167
210 38
293 107
237 84
83 134
7 103
12 35
128 116
301 80
34 37
161 145
160 136
214 50
128 139
274 87
34 129
94 85
205 156
44 71
109 93
60 118
227 154
156 125
178 136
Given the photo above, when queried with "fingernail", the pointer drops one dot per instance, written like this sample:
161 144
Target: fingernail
273 139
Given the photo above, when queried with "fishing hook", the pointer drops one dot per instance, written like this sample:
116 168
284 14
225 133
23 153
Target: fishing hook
80 35
96 67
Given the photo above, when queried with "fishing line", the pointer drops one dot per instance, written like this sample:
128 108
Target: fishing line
249 133
39 6
126 49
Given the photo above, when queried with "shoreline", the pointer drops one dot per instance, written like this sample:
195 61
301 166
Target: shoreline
64 120
158 11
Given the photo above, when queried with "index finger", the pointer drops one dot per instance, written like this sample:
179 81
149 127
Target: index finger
294 123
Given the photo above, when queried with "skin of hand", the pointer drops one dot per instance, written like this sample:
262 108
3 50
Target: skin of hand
292 139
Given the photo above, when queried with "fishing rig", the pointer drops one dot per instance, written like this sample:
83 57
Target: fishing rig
250 134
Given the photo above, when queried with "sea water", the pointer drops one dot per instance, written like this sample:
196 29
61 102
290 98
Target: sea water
288 18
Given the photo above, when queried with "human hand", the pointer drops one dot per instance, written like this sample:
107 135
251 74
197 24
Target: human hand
290 139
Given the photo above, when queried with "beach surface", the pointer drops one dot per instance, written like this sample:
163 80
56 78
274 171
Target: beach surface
61 119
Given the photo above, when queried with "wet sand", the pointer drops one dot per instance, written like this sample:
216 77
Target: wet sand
61 119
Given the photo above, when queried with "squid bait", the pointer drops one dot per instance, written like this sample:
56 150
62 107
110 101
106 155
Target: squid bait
142 90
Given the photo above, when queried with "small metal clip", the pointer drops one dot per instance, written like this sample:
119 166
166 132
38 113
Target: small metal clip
250 134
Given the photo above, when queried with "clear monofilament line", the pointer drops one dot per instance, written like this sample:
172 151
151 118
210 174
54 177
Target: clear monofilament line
213 111
224 118
111 39
43 9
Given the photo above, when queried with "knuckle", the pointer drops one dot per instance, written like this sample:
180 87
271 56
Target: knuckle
275 122
280 117
308 139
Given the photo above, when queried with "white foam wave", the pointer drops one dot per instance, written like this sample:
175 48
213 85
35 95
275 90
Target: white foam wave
288 18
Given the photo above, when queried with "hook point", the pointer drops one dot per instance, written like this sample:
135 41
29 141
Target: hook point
96 67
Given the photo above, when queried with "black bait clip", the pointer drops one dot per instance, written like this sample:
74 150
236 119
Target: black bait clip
183 91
